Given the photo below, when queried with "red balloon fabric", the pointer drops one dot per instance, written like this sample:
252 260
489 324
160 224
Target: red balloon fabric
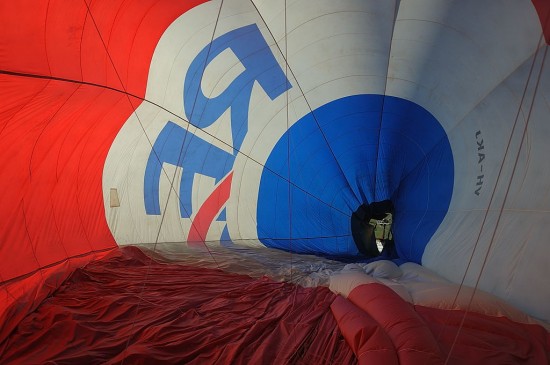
132 309
71 73
422 335
368 339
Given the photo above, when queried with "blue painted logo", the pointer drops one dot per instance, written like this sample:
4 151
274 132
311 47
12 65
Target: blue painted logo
179 147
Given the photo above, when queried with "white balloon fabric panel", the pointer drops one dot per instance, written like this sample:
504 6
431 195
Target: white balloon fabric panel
267 125
181 166
475 66
268 117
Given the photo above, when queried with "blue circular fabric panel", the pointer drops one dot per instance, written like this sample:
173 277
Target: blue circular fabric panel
355 150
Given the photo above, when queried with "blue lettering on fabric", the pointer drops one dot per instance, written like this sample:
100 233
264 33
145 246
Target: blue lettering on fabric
179 147
250 47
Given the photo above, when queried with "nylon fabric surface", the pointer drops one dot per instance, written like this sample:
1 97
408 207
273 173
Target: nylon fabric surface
132 309
62 86
237 136
378 324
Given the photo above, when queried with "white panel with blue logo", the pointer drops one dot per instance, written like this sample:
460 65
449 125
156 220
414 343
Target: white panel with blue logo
248 147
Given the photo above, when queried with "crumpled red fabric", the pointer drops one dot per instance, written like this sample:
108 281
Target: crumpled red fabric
131 309
378 323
